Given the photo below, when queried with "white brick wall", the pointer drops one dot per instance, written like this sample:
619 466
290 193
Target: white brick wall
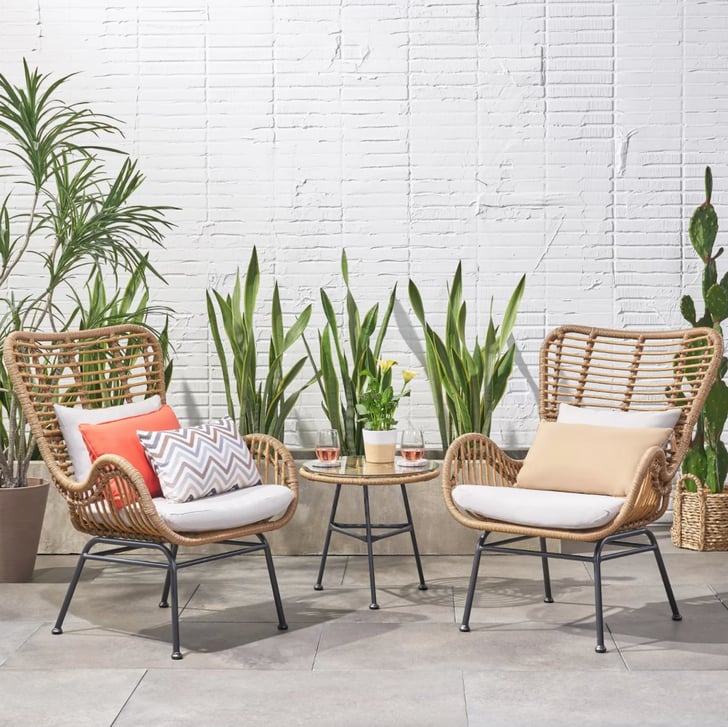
564 140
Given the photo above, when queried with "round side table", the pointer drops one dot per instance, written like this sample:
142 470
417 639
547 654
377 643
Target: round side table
356 471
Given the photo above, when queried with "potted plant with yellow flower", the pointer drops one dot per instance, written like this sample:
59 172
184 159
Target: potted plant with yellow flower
376 408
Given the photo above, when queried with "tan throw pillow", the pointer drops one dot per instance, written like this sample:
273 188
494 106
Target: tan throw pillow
585 458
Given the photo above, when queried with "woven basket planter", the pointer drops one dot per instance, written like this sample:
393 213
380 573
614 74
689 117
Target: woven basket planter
700 519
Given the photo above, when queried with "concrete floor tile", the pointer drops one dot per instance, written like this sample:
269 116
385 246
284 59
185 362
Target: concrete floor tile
440 646
303 604
190 698
64 698
571 699
341 663
648 638
14 635
204 644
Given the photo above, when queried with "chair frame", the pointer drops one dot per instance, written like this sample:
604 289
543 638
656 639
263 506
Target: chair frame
647 370
111 365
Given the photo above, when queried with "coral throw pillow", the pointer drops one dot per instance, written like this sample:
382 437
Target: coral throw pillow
120 437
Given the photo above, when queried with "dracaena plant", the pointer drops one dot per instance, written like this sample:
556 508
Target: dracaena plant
466 384
707 457
257 404
341 363
64 219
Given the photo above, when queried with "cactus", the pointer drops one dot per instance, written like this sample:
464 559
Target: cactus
707 457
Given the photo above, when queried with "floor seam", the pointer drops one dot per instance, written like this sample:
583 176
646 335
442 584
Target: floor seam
131 694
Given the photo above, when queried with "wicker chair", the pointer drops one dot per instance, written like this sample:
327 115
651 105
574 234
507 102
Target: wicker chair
601 369
109 366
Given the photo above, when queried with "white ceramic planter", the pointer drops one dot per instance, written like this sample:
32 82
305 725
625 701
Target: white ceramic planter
379 446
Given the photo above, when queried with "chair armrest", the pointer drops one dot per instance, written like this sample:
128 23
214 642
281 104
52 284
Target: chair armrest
477 460
274 460
276 466
648 496
94 504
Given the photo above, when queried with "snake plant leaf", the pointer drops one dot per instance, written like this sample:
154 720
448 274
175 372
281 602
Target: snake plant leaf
252 284
262 405
345 268
354 322
384 326
276 322
298 327
416 302
511 312
466 384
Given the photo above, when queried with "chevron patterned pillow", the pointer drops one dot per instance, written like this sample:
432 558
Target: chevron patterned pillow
200 461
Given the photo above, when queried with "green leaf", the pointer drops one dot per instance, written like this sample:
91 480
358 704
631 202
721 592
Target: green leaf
344 268
687 308
703 230
511 311
298 327
715 410
252 283
716 300
416 302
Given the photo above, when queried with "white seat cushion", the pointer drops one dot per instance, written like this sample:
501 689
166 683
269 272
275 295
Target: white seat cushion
538 508
228 510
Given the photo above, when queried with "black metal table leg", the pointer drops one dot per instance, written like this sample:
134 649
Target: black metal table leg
408 512
370 552
318 586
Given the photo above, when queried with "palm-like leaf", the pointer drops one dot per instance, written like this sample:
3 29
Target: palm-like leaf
77 219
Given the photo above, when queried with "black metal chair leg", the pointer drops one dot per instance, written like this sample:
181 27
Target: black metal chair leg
58 627
163 603
370 552
600 648
546 575
663 573
408 512
173 592
318 586
282 625
465 625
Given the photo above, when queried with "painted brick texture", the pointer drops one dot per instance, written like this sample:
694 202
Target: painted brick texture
564 140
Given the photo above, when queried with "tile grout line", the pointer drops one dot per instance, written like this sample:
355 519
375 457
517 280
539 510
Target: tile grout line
465 698
131 694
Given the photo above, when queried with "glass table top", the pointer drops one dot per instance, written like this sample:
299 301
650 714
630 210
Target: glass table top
357 466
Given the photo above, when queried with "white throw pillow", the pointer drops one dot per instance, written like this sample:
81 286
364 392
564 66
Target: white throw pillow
201 461
70 417
599 417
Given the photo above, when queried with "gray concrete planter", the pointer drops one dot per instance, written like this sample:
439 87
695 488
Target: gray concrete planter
21 518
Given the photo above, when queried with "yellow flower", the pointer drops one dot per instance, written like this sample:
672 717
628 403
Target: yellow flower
385 364
408 375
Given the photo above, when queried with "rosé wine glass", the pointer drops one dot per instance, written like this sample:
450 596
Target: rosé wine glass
327 446
412 448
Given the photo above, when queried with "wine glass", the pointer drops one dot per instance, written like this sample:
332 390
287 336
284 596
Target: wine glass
327 446
412 448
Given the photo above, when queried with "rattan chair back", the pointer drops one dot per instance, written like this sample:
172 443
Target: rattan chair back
96 368
631 371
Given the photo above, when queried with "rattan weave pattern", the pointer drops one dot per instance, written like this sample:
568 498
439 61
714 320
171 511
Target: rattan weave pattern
598 367
700 519
102 367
